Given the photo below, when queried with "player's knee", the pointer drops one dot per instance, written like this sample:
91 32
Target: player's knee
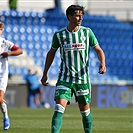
1 100
59 108
85 113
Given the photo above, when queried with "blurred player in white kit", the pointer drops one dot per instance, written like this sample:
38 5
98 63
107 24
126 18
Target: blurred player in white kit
7 48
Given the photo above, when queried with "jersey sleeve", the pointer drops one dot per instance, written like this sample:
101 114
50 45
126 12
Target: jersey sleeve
9 44
55 42
14 47
92 39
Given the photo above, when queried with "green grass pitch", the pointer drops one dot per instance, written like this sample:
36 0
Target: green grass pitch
105 120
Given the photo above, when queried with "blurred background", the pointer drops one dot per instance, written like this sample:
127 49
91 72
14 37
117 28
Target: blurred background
31 25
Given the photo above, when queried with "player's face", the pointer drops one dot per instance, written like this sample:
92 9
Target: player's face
76 19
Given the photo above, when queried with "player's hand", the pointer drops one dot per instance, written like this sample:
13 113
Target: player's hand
44 80
4 54
102 68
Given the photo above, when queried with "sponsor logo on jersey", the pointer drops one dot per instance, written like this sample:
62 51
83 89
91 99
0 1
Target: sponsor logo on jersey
69 47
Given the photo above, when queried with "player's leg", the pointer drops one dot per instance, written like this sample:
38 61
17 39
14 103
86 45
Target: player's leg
62 96
41 96
58 114
86 117
83 96
36 99
3 106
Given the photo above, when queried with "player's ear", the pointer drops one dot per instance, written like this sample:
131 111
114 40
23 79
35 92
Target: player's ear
69 17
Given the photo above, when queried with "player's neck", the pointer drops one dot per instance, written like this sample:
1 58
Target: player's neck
72 28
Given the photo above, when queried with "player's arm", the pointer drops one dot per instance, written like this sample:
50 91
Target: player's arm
101 57
15 50
49 59
99 51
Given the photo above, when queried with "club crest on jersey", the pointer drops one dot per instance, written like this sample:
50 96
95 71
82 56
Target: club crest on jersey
77 46
83 38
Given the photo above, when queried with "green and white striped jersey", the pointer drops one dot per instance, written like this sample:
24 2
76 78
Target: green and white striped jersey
74 52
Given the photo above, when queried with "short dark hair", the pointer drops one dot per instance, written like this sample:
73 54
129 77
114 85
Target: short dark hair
72 8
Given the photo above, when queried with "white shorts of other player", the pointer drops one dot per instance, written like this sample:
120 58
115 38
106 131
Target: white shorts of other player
3 81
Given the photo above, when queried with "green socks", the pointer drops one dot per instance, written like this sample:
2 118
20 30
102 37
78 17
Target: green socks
87 123
56 122
57 119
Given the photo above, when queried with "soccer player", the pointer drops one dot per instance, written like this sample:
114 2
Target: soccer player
74 42
7 48
34 88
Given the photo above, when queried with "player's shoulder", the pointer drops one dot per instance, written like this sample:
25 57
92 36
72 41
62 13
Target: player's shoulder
3 41
60 30
2 38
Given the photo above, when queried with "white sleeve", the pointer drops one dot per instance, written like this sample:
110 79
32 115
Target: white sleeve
9 44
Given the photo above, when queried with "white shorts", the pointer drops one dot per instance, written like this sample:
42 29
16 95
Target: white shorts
3 82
